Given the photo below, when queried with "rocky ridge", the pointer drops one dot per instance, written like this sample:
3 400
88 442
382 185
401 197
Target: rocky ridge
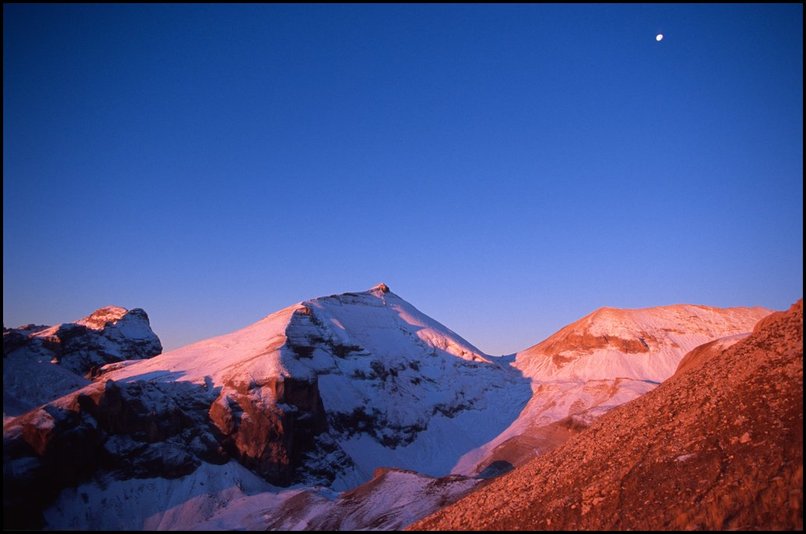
42 363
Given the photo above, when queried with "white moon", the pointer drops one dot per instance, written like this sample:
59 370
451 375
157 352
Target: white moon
659 37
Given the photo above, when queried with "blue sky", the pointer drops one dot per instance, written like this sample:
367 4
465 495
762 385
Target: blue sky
505 168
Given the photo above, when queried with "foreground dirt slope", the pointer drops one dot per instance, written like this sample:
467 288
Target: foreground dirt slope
717 446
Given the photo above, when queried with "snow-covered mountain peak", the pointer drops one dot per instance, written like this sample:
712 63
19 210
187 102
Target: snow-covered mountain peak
44 362
689 317
644 344
103 316
366 370
397 328
381 288
308 338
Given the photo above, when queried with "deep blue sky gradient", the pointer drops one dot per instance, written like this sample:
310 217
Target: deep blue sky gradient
505 168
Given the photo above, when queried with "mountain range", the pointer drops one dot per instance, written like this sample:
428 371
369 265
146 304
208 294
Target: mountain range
348 411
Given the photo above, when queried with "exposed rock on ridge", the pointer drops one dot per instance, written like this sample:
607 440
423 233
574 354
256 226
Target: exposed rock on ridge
643 344
108 335
42 363
270 426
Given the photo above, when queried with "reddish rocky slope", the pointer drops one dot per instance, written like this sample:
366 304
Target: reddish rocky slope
717 446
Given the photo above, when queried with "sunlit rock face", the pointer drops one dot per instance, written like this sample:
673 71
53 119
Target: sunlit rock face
126 430
42 363
269 426
108 335
641 344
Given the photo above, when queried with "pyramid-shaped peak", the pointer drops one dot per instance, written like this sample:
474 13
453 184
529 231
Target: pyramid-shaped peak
383 288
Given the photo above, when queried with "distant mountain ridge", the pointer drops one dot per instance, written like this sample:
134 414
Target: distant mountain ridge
609 342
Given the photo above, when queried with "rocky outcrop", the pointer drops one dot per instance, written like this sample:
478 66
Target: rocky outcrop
13 339
142 429
42 363
269 426
130 430
109 334
43 452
